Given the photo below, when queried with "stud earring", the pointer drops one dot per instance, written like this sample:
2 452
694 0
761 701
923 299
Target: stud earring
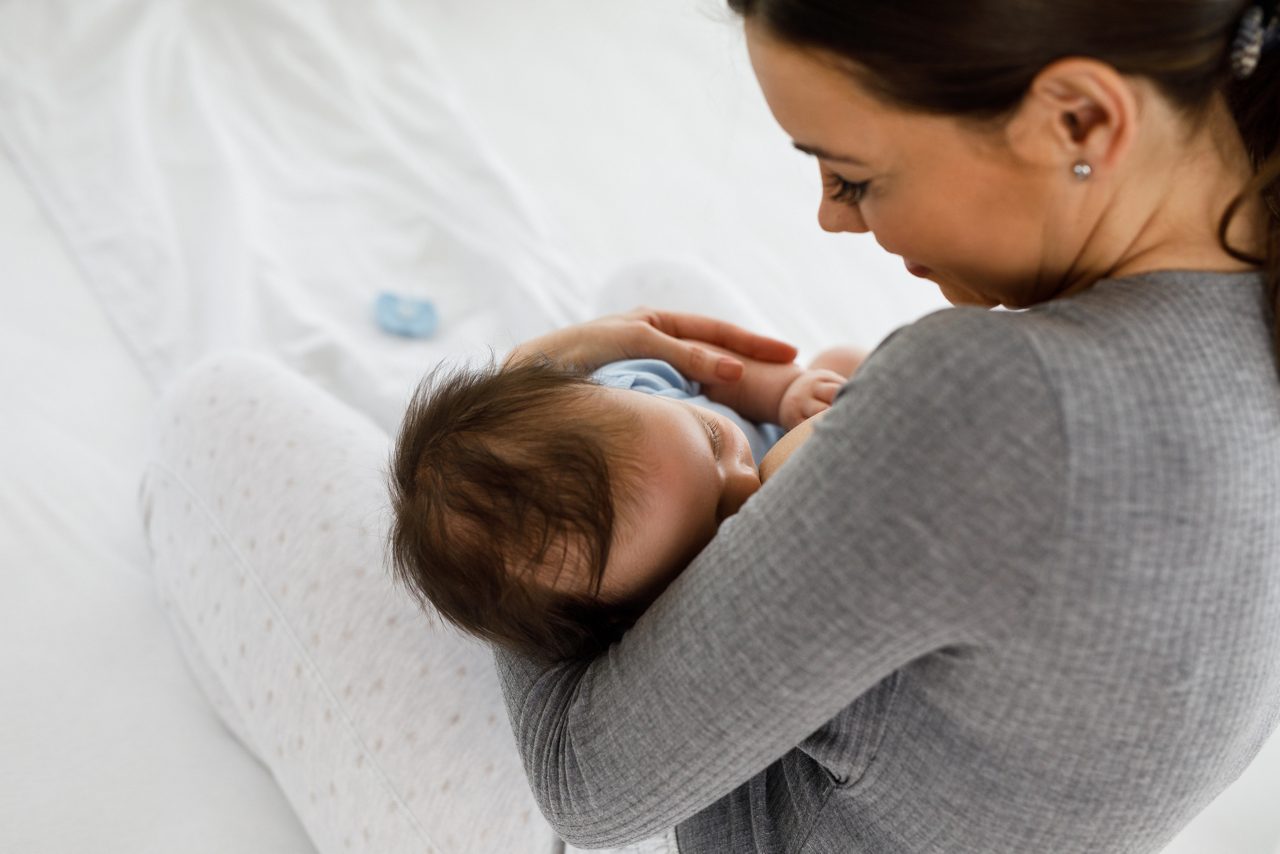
1082 171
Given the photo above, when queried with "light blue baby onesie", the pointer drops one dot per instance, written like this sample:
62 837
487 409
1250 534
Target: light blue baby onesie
655 376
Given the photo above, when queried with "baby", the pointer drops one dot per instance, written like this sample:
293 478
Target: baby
544 508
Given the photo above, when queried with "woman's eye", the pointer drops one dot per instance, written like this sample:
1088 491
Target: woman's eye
845 192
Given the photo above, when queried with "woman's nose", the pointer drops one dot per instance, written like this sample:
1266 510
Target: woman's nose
837 218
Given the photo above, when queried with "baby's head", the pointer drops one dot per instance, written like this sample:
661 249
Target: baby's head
537 509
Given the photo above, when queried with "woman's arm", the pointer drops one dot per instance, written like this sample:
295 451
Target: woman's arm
878 543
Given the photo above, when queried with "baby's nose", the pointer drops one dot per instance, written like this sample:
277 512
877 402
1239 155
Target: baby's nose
740 485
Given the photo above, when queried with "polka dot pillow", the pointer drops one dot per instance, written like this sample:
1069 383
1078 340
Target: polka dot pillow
264 504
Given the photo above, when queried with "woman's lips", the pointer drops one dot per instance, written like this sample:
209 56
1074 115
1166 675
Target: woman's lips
916 269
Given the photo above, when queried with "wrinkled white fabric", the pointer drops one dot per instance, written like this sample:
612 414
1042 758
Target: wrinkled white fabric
248 174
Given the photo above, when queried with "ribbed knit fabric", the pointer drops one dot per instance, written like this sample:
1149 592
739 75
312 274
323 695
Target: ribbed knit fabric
1019 593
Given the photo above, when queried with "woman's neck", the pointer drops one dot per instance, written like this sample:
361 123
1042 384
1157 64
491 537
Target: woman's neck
1177 198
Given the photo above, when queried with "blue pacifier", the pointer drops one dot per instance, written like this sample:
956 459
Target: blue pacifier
411 318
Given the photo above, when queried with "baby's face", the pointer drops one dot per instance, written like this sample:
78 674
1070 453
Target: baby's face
697 471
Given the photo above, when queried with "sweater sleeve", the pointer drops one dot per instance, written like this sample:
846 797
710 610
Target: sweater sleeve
911 521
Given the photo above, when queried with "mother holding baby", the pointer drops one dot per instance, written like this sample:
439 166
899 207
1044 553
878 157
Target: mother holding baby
1019 588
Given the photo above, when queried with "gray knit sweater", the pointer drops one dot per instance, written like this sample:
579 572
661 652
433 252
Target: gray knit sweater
1019 593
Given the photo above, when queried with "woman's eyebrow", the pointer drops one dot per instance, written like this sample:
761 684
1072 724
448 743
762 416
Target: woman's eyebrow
826 155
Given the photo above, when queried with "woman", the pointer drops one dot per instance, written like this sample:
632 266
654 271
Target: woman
1020 590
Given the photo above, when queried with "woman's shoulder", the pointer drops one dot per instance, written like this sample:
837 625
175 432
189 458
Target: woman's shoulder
966 345
964 393
959 377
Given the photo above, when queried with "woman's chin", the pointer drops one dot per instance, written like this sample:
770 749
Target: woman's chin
960 296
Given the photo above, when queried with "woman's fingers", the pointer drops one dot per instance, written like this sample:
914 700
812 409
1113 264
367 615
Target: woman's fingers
721 333
646 333
694 361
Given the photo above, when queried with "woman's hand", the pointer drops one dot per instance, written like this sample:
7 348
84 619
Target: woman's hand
648 333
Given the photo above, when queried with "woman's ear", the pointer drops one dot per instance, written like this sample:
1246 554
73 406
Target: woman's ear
1076 109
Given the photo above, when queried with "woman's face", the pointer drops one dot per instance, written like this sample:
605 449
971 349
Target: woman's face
930 190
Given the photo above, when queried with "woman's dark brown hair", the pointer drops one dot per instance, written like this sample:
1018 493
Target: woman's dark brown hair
976 60
502 480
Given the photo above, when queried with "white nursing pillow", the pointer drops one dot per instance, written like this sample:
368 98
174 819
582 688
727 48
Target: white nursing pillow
265 507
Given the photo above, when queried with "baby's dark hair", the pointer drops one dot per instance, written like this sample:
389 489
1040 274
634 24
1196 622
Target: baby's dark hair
502 479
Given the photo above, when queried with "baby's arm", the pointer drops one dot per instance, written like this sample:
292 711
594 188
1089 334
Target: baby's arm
757 396
786 394
843 361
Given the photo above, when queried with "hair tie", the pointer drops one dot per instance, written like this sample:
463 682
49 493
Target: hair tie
1256 33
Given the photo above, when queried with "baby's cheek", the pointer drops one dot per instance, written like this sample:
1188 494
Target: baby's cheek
694 543
660 535
687 548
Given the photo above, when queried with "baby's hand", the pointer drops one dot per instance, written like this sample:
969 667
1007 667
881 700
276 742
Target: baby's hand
810 393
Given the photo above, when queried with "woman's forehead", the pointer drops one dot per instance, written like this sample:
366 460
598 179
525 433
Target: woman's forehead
819 103
815 97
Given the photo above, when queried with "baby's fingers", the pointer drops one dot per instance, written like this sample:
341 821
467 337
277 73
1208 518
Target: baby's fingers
812 406
826 390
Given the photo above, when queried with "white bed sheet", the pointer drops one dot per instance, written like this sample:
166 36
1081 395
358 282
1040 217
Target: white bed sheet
252 174
107 745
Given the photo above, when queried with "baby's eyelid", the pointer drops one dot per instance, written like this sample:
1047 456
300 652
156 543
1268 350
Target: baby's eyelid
713 432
